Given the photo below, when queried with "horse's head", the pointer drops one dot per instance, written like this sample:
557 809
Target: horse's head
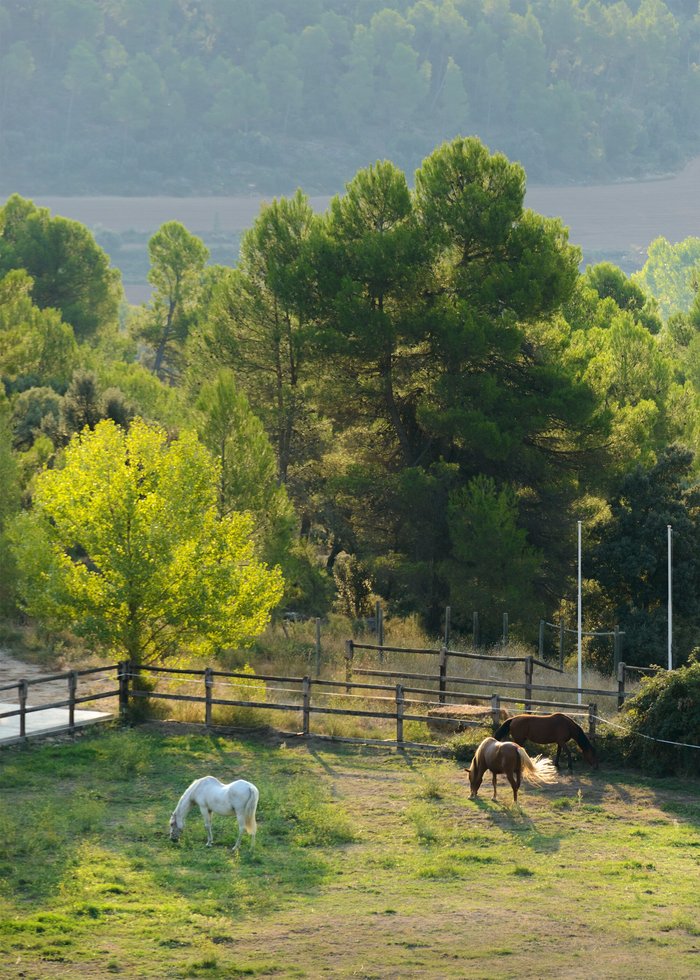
175 828
589 754
471 772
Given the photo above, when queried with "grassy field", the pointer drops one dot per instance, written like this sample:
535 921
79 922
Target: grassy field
368 863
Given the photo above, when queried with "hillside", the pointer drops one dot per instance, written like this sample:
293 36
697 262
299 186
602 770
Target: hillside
214 98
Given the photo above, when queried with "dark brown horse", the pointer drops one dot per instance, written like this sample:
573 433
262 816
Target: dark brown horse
511 760
545 729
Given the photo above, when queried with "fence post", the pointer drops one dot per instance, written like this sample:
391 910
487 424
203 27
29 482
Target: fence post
348 665
22 690
620 684
475 630
505 629
448 616
399 716
496 710
123 677
72 689
208 685
318 647
541 643
561 644
528 682
306 700
379 620
592 712
442 668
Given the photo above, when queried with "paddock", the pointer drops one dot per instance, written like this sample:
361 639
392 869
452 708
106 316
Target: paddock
368 862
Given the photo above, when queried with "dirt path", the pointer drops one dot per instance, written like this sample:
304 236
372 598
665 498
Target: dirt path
13 670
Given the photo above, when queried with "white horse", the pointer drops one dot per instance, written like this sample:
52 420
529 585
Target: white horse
213 796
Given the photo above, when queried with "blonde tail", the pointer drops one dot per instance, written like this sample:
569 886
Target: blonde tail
251 806
539 770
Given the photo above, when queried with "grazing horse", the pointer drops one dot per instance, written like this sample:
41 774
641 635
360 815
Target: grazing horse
213 796
511 759
544 729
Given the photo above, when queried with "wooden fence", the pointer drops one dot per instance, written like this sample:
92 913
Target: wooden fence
443 680
72 699
398 703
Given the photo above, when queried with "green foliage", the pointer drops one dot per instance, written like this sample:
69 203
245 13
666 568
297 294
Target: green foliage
35 411
493 567
353 586
37 347
667 708
670 274
69 271
247 469
629 558
609 281
177 276
124 546
9 505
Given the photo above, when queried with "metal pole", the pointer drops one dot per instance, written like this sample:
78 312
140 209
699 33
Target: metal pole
448 614
670 600
580 677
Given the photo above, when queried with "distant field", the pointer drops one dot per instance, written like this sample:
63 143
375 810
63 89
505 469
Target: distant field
616 217
369 863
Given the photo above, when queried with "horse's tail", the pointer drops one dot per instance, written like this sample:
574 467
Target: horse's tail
503 730
249 808
539 770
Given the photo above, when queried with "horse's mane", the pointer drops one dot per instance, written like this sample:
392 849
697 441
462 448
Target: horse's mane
184 801
582 740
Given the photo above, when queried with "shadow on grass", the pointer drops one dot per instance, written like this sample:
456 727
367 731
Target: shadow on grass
513 818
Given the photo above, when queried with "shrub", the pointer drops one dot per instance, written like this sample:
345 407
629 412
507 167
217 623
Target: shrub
667 707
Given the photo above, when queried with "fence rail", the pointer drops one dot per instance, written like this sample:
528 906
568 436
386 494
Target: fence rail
72 699
394 702
397 702
443 680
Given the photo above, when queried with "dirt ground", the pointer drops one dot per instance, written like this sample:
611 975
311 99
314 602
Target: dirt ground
13 670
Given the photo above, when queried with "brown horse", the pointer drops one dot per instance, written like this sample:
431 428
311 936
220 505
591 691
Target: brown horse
513 761
544 729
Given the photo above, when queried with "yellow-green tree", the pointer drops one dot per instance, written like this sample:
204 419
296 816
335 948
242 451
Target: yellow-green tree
125 547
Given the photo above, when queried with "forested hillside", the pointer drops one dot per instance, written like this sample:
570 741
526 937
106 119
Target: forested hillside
223 96
414 396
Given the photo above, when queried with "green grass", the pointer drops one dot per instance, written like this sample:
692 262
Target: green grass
368 863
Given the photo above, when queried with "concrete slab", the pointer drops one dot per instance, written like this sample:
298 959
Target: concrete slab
44 721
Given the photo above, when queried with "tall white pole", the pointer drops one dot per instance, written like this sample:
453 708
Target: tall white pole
580 684
670 602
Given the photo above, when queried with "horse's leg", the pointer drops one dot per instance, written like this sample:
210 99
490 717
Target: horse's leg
515 783
556 759
206 814
568 753
495 779
515 778
241 825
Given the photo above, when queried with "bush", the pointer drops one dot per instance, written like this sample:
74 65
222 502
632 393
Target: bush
667 707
